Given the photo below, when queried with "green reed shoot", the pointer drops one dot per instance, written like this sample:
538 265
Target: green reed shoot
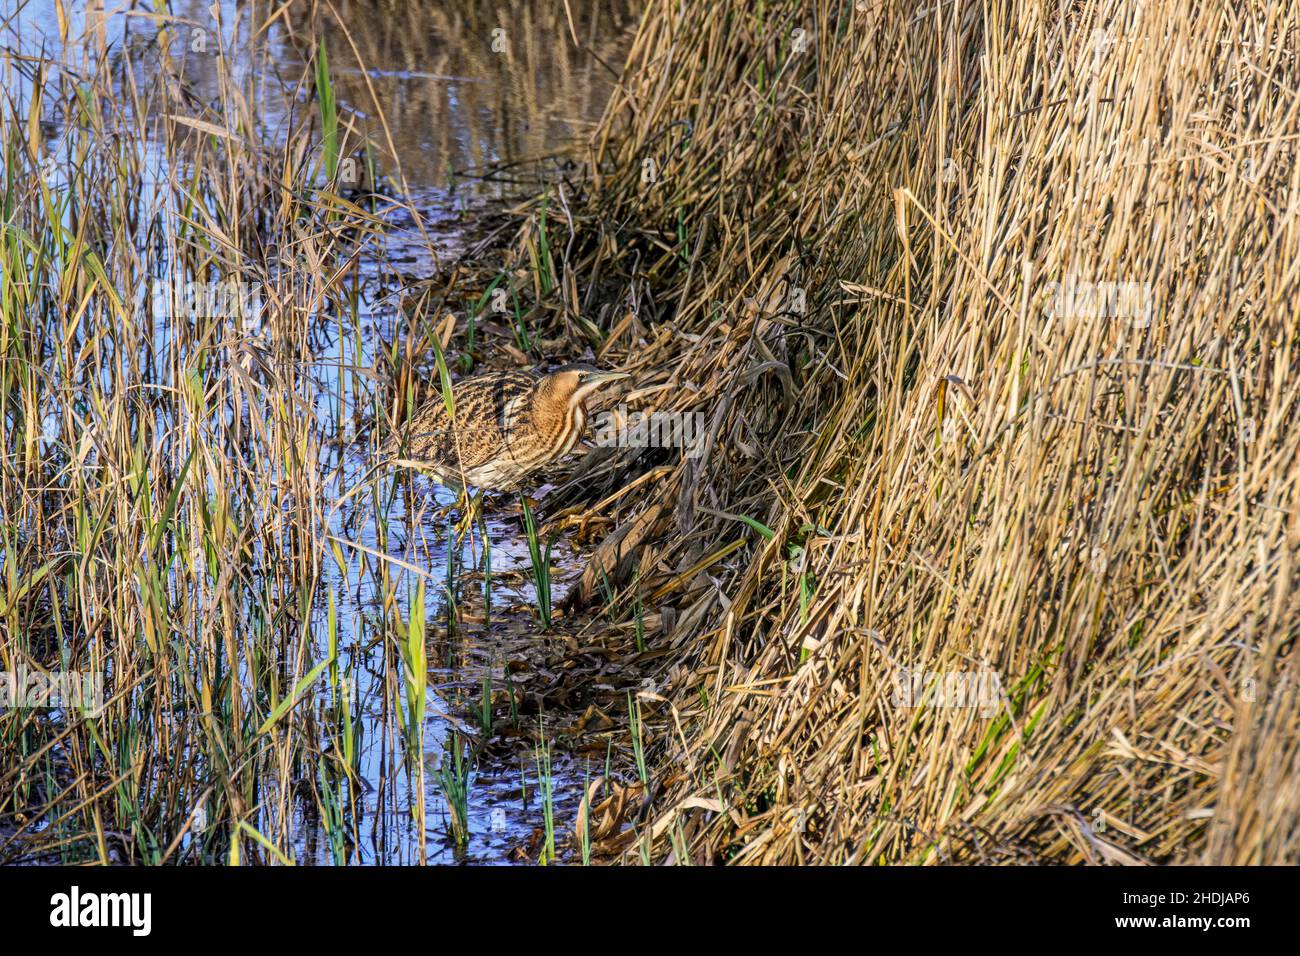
329 118
485 704
417 671
543 265
586 816
444 378
332 810
541 565
638 745
609 760
681 852
453 780
638 611
487 575
521 330
510 690
643 847
453 562
545 786
607 594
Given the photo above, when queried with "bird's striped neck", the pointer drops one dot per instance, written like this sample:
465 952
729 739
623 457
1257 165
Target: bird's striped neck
560 419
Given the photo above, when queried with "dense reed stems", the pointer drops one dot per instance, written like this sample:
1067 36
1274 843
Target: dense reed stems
989 308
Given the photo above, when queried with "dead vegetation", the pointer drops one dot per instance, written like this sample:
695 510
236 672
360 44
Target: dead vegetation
977 558
990 310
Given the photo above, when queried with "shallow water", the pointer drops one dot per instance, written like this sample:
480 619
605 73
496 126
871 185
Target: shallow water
472 97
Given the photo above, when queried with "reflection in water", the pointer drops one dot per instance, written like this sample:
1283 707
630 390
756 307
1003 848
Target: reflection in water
439 93
487 84
454 107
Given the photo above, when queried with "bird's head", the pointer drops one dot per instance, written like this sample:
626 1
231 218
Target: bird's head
561 404
574 384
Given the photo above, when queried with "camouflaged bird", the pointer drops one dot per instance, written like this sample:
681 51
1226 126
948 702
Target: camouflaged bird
507 426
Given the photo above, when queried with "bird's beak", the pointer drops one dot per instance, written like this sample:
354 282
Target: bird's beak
594 379
588 382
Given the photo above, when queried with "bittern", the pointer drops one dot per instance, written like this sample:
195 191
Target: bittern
506 426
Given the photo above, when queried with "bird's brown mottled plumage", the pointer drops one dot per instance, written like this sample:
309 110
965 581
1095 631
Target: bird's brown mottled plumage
507 426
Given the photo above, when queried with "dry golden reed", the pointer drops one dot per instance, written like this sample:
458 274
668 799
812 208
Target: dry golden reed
991 308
